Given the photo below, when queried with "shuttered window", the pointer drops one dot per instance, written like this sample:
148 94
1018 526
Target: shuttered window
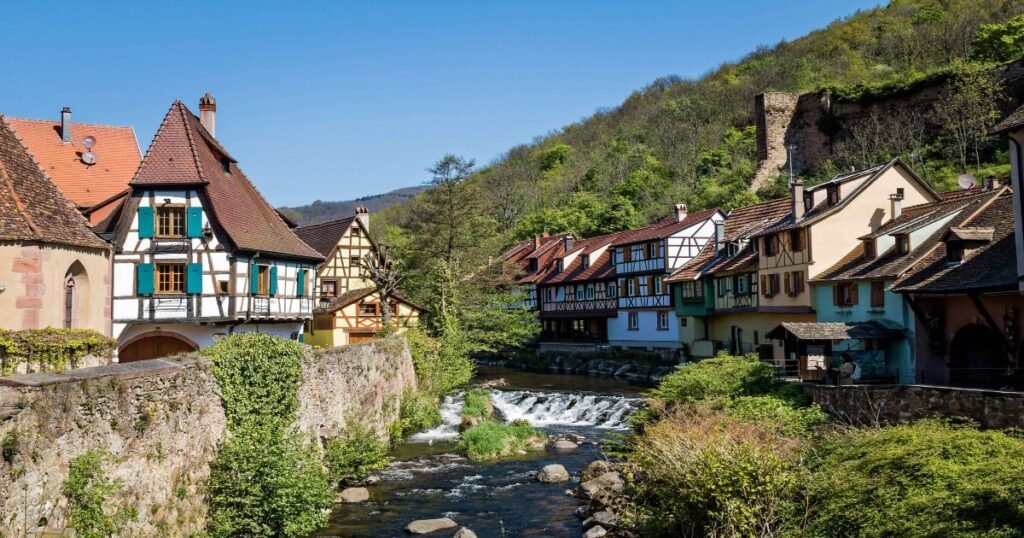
254 279
146 228
144 279
194 280
878 294
300 284
272 287
195 222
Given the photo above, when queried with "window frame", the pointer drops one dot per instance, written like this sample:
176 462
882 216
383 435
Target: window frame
362 310
263 284
166 211
902 244
633 321
796 243
877 294
870 249
158 271
333 285
662 316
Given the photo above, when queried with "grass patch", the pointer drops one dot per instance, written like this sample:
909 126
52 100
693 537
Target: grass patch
419 411
477 404
353 456
492 440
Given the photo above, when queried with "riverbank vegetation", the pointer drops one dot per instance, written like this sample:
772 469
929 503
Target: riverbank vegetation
492 440
726 450
358 452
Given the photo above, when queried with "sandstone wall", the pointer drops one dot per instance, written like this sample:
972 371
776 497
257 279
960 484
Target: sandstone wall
889 404
162 420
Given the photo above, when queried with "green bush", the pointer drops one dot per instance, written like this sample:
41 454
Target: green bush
353 456
477 404
441 365
419 411
777 413
492 440
50 349
258 376
267 482
91 511
924 479
700 472
722 376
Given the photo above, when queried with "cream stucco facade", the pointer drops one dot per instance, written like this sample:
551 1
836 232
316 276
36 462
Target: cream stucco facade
354 323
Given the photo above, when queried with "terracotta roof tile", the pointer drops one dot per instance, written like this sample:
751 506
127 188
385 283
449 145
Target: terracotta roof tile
324 236
184 153
116 148
32 208
1012 122
662 229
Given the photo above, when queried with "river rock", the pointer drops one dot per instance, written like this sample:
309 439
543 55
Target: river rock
582 512
596 531
427 526
595 469
553 474
563 445
354 495
604 518
602 489
464 533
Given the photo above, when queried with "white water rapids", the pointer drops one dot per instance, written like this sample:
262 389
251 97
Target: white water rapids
541 409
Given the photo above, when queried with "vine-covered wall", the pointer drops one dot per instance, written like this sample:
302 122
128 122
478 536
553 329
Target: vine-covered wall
52 350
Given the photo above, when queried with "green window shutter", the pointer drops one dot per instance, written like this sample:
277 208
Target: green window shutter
300 284
144 279
194 279
254 279
194 223
146 222
273 280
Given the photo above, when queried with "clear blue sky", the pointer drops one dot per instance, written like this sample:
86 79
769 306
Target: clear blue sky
341 99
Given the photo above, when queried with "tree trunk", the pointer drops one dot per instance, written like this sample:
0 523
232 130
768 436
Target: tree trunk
385 311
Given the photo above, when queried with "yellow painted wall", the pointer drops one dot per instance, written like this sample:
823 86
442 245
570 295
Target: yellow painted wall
34 276
406 316
339 267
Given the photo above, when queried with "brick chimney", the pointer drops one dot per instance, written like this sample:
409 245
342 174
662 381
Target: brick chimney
65 125
363 216
208 113
680 212
797 188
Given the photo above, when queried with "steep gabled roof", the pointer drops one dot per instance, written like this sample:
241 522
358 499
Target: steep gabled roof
351 296
183 153
116 148
32 208
324 237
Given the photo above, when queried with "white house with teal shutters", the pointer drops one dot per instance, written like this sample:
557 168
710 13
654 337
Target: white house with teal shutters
200 253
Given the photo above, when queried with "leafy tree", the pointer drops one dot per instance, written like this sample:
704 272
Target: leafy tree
1000 42
969 112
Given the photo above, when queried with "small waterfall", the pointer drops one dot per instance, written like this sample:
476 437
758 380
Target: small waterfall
451 415
566 408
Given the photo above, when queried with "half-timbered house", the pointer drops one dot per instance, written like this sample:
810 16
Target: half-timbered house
528 262
199 251
348 309
642 259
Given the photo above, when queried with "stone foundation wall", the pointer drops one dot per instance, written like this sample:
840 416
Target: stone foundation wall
888 404
163 421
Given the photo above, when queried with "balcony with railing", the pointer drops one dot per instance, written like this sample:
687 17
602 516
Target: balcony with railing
646 301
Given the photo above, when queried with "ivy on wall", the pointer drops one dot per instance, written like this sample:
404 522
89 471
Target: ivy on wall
50 349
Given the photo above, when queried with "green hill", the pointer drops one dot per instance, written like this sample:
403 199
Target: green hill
321 211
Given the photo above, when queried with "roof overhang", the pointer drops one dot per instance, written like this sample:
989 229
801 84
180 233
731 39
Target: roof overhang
825 331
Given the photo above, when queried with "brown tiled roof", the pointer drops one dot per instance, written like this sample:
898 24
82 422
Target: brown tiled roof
116 148
324 237
961 193
991 266
889 264
817 330
352 296
662 229
1012 122
184 153
32 208
971 233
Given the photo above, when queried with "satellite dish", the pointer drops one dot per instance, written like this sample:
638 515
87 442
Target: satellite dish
967 181
89 142
89 158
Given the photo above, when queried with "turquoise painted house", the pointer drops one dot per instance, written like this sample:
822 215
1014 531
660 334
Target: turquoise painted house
856 291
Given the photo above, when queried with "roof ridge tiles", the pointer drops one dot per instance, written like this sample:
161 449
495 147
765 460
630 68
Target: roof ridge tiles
84 123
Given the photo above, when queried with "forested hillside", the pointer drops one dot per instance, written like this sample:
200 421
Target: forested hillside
321 211
693 140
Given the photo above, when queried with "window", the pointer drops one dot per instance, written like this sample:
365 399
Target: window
637 252
770 284
662 321
225 165
691 290
630 287
222 285
878 294
902 244
69 301
954 251
870 250
731 249
170 221
634 321
609 290
357 231
367 309
590 292
533 265
741 284
264 280
794 283
659 284
723 286
844 294
796 243
560 265
170 278
329 288
653 250
769 245
585 262
355 261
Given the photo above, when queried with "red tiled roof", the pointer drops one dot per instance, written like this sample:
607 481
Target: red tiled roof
116 148
32 208
184 153
324 236
662 229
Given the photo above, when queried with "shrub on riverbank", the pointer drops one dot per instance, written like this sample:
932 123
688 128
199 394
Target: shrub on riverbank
441 365
419 411
929 478
720 377
356 454
476 403
492 440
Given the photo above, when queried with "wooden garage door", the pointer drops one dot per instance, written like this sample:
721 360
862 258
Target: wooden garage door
359 338
153 347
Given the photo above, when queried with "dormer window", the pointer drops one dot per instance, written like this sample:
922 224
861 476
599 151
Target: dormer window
902 244
225 165
954 252
731 249
585 262
832 191
560 265
869 249
533 265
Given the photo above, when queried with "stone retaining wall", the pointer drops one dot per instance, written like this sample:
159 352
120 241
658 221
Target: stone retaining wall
163 421
887 404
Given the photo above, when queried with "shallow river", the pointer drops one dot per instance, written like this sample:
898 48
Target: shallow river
428 479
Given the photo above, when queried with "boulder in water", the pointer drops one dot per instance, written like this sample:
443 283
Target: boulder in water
464 533
553 474
595 469
563 445
603 489
354 495
427 526
604 518
596 531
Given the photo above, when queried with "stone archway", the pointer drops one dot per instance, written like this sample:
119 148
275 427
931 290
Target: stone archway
76 297
154 345
976 357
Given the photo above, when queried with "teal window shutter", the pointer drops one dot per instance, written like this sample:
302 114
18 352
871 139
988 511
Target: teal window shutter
254 279
146 222
144 279
273 281
300 284
194 223
194 280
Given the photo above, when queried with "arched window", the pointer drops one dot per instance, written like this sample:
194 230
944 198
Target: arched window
69 301
76 297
